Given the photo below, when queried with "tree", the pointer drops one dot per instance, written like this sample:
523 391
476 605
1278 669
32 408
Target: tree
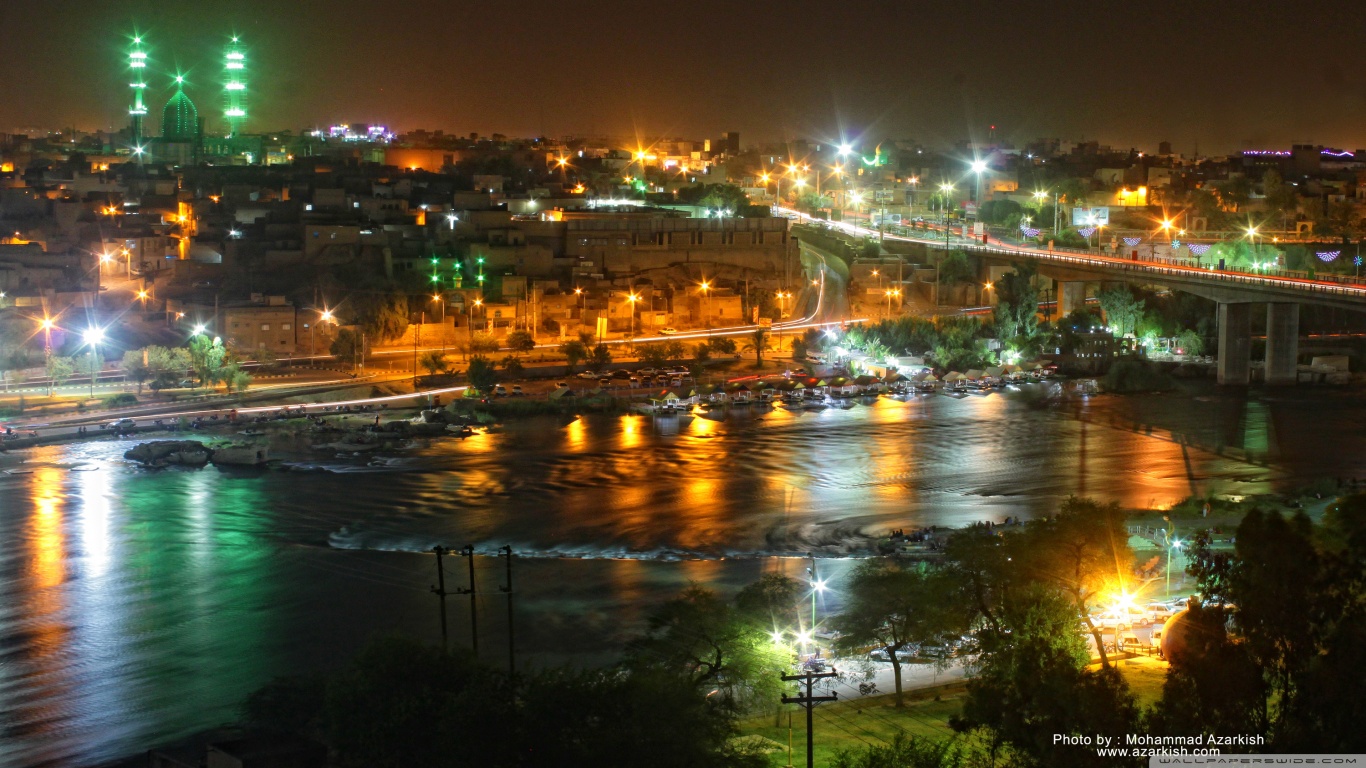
673 350
134 366
235 378
722 345
1017 305
575 352
1281 198
400 703
58 370
1122 309
167 365
713 646
381 315
512 367
758 344
775 599
1033 682
602 356
521 341
701 353
1076 552
652 355
481 374
799 350
484 342
348 346
207 359
956 268
435 363
889 604
1191 342
812 202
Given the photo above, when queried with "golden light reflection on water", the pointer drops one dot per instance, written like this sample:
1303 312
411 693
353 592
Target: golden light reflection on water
47 539
630 435
576 434
47 571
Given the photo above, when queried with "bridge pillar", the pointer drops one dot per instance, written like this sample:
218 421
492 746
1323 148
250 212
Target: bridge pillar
1235 344
1071 296
1282 342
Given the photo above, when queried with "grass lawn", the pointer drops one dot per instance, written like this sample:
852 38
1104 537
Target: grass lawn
856 723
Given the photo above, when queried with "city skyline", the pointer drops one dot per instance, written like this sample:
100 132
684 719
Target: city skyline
1240 84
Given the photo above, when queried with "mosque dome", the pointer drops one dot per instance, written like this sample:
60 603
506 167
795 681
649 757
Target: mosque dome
179 118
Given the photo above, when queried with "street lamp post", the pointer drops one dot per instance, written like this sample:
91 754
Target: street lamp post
705 287
631 300
978 167
93 336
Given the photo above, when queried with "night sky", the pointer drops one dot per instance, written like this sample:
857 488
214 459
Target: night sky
1226 75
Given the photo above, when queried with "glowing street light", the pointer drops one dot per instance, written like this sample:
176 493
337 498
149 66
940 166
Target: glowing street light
633 298
92 337
846 150
979 167
198 329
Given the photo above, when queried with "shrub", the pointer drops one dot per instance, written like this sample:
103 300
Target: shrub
120 400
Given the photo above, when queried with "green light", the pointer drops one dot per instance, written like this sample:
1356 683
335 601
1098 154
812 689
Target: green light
435 260
480 259
457 265
481 278
435 278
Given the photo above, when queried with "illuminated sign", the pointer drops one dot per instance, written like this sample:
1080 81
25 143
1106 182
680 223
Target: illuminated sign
1091 217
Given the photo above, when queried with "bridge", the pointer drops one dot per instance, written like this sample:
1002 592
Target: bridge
1235 292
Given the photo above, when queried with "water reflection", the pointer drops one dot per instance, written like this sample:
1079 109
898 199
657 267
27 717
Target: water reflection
136 606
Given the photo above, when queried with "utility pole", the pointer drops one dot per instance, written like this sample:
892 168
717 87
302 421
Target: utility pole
468 551
440 590
512 658
809 701
417 332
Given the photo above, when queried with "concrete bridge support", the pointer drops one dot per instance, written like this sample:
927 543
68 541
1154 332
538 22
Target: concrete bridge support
1235 344
1282 342
1071 296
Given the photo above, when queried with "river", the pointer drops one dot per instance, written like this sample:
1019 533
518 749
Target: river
137 606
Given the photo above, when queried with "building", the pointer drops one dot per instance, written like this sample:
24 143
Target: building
269 323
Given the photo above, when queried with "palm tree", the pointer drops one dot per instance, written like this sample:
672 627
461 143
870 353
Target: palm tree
758 344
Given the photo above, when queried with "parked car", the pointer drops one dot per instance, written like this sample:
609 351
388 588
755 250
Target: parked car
1159 611
648 371
668 331
621 373
604 382
634 381
188 383
906 652
517 390
119 425
562 385
500 391
588 375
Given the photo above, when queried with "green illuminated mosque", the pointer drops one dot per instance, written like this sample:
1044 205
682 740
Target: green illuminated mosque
183 139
